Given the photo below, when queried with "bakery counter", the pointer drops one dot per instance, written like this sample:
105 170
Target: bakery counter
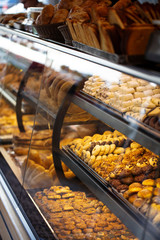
89 166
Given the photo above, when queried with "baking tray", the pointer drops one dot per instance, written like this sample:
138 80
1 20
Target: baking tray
149 129
134 210
122 59
19 26
104 105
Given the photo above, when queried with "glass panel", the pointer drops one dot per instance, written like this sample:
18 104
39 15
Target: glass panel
99 148
22 59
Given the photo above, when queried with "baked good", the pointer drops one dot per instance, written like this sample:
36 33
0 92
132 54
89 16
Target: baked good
59 16
78 216
47 14
131 45
127 96
69 4
152 118
135 187
148 182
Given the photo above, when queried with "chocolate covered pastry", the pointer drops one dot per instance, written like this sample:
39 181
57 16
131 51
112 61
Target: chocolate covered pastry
152 118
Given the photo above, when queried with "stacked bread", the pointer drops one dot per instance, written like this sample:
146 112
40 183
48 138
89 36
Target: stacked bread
115 158
56 86
40 139
132 96
33 84
146 198
73 215
123 28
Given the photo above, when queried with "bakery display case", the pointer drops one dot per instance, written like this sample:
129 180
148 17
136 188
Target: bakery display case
83 162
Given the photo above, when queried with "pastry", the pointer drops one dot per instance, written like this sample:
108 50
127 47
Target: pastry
135 187
145 193
148 182
47 14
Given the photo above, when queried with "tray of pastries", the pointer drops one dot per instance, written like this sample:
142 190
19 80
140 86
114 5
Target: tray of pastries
123 165
116 159
131 97
78 215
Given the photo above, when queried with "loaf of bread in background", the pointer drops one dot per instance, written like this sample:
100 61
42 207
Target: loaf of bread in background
135 39
51 14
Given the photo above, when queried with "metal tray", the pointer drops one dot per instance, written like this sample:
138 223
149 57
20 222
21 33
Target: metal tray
135 211
6 139
104 105
113 57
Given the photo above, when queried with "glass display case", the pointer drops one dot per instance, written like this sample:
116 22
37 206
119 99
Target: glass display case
80 136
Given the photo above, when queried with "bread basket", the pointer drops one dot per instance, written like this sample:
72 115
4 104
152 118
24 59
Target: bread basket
66 34
50 31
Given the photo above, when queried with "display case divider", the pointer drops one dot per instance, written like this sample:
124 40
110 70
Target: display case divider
33 66
56 134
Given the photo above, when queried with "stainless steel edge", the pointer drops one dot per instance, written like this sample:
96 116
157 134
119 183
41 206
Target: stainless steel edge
148 75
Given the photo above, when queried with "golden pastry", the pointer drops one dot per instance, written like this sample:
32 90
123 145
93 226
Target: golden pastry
145 193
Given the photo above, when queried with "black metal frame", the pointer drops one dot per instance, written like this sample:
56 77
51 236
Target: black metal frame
20 96
56 134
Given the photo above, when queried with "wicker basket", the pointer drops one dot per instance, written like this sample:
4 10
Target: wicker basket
50 32
66 34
